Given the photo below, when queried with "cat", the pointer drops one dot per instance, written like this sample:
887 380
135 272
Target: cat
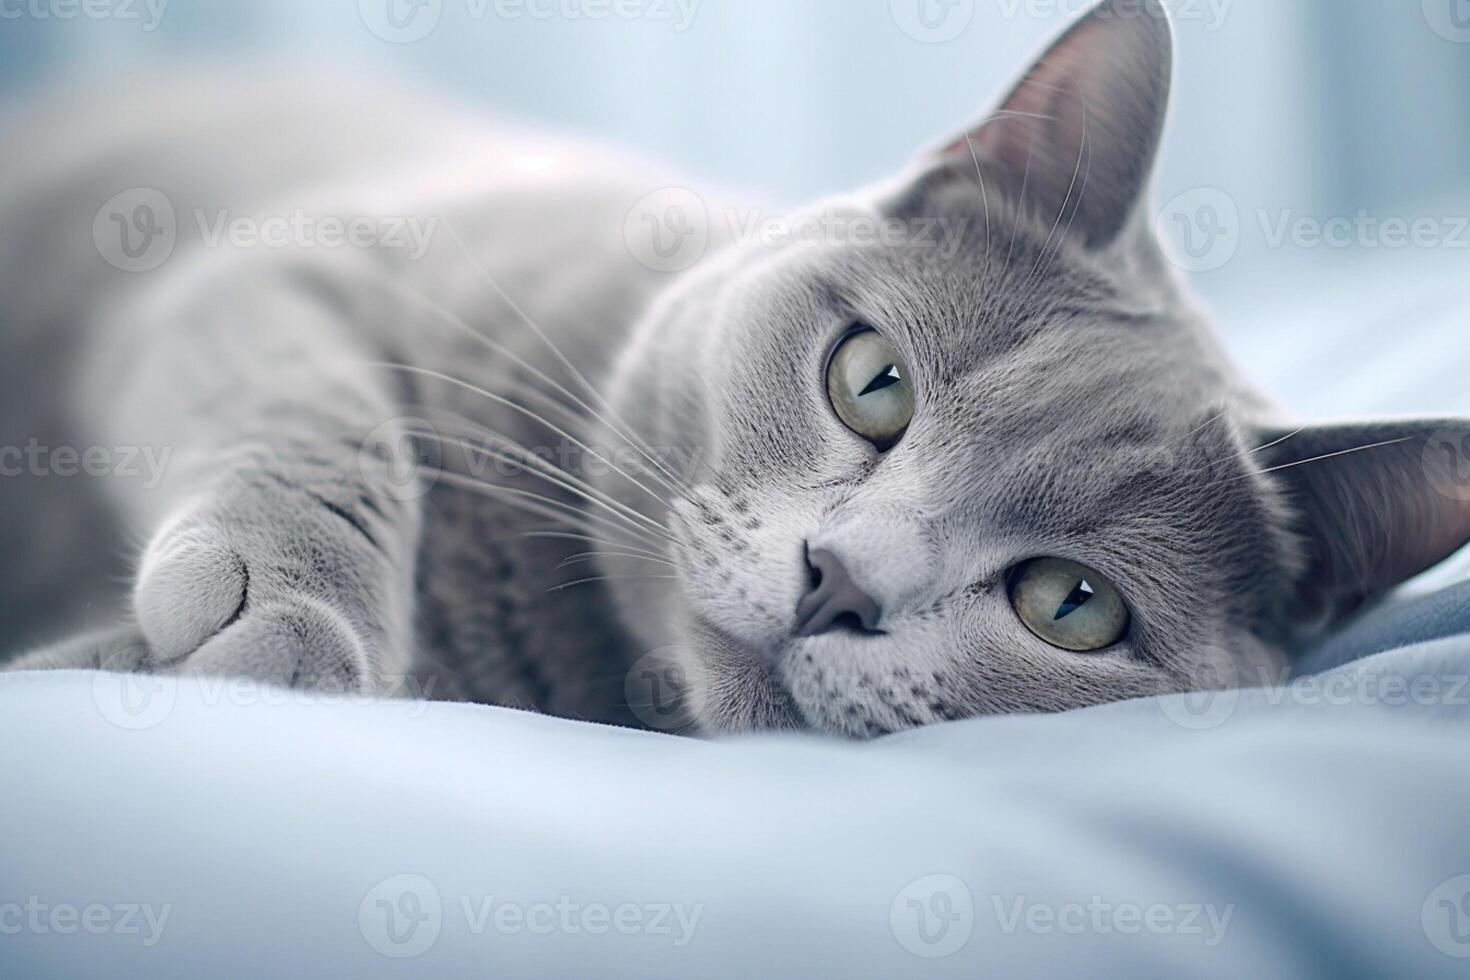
832 485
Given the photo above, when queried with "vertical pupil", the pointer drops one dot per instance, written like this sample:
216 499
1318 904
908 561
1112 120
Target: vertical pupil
886 378
1075 600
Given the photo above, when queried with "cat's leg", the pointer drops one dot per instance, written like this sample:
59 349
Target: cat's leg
120 648
278 545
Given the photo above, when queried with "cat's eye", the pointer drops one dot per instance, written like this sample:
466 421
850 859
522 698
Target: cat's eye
1068 605
869 387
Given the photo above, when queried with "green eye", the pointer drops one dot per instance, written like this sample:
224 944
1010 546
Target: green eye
869 387
1068 605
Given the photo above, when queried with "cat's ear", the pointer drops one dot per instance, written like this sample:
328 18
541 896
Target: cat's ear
1375 503
1078 135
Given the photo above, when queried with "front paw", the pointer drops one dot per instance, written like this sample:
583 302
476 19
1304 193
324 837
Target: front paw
264 586
297 642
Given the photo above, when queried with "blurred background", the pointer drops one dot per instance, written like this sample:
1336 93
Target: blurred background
1299 126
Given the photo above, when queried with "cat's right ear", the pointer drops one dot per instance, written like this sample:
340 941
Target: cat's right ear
1372 504
1076 139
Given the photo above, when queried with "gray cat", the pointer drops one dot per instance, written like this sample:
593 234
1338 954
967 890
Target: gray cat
841 485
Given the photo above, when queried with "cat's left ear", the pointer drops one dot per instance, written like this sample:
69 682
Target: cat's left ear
1375 503
1077 137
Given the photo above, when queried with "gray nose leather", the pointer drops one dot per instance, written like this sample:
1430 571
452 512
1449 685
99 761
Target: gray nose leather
834 600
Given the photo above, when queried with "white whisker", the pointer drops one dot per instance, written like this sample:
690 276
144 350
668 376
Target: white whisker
668 478
611 578
533 503
589 494
516 407
590 556
631 436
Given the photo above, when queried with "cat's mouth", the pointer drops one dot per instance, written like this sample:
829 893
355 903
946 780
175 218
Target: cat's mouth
850 625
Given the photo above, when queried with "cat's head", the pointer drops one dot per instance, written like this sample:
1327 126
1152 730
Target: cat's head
996 463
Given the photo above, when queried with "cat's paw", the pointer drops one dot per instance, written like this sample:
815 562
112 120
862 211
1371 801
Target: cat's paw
297 642
192 584
258 585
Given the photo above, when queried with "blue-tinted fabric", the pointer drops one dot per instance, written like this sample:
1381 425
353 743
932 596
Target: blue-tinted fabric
1311 831
1443 614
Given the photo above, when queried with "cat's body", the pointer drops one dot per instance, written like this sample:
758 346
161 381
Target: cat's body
86 340
851 486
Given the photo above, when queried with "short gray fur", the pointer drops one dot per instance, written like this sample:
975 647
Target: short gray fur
1071 402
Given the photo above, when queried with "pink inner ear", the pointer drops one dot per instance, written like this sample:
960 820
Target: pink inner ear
1055 93
1080 130
1044 125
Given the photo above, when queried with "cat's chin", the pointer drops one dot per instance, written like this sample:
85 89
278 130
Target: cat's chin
732 686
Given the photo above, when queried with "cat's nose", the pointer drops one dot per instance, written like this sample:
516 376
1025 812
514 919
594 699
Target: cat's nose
834 600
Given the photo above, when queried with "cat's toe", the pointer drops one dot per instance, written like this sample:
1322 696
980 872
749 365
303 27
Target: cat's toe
191 586
297 642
